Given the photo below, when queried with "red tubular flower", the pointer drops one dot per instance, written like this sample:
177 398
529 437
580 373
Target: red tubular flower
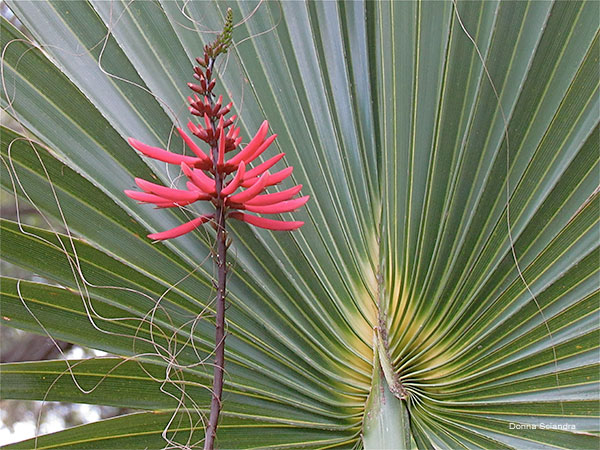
182 229
230 184
271 199
269 224
168 157
237 180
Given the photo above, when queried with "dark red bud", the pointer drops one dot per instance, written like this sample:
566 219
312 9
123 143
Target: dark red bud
224 110
201 133
196 88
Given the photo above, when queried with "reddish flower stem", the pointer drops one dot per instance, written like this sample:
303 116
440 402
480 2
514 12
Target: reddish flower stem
221 262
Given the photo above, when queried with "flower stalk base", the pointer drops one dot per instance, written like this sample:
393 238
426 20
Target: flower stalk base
219 367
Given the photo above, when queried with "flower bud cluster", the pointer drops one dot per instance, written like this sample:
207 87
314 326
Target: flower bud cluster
220 45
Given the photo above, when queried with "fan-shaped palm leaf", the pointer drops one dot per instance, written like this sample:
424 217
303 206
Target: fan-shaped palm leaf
444 290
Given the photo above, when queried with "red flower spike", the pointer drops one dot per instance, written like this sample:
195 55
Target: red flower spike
181 229
269 224
207 171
